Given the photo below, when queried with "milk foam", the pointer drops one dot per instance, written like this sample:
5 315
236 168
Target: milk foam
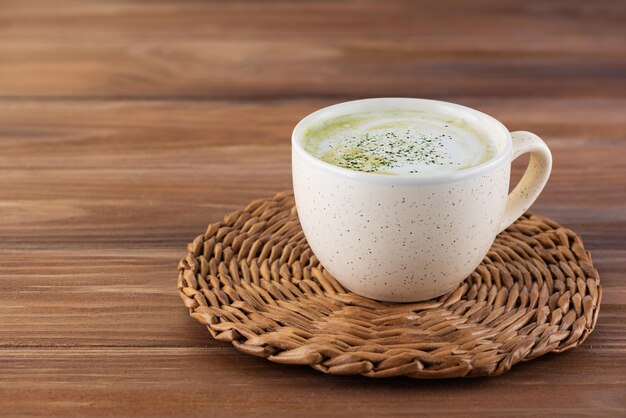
399 142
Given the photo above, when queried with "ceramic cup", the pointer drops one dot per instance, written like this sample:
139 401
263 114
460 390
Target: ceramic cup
413 237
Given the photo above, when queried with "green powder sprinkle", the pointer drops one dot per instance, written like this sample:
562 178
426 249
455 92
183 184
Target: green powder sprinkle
358 142
380 151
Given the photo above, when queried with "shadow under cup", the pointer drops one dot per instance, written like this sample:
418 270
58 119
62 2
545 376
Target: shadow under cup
408 237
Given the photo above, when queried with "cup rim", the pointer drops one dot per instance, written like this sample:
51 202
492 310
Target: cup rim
401 179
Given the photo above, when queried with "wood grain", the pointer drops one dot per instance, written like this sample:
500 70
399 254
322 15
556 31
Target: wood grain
249 50
220 381
127 126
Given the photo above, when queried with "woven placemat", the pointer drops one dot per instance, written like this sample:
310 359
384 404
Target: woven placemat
253 281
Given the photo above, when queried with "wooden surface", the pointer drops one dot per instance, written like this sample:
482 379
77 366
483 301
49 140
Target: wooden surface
127 126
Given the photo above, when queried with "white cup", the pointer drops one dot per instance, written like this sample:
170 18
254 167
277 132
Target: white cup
410 237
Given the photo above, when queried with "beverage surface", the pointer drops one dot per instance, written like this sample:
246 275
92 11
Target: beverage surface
399 142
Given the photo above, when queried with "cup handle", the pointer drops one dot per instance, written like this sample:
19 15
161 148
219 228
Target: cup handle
535 177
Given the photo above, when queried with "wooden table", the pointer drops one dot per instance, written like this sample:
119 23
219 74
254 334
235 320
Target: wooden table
127 126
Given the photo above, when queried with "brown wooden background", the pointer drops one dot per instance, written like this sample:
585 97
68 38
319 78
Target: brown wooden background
127 126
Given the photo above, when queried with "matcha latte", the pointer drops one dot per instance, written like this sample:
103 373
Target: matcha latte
399 142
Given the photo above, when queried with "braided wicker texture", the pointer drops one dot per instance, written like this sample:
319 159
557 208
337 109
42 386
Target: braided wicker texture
254 282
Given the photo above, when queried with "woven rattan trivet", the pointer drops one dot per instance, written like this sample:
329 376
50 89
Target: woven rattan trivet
253 281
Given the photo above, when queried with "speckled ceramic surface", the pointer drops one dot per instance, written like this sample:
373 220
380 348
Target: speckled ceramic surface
409 237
